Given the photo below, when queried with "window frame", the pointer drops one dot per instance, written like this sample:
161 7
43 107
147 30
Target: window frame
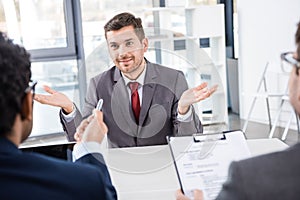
61 53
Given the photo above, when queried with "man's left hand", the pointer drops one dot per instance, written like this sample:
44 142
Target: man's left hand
194 95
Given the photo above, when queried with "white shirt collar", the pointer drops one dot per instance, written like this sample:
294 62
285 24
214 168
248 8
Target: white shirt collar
140 79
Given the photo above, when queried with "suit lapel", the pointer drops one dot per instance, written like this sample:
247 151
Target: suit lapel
148 91
121 109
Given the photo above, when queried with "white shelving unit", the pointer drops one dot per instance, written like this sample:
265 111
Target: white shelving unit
198 64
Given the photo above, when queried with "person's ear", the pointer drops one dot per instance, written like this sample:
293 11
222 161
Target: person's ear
27 104
145 44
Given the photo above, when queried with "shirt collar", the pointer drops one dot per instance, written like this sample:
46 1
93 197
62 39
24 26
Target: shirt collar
140 79
6 146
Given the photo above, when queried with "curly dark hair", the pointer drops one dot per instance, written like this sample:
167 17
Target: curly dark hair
125 19
297 39
14 78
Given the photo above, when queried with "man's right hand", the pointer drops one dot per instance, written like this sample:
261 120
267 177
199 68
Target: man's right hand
198 195
55 98
91 129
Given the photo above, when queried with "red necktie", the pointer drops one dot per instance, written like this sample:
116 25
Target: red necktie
135 100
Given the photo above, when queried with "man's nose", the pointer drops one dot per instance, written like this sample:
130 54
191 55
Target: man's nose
122 51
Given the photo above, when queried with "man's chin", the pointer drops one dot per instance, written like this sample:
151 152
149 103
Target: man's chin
125 68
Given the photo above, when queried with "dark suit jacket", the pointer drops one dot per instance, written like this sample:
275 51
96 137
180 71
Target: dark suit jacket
34 176
158 116
272 176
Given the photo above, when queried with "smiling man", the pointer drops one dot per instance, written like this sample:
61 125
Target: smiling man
143 102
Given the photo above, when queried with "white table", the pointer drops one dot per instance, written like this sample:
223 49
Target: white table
148 173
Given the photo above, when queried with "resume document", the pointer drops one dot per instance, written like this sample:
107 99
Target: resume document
202 161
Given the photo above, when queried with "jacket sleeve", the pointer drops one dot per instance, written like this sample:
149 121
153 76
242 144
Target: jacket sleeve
233 187
184 128
97 160
69 126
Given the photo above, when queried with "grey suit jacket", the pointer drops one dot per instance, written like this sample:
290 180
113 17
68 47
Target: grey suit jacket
272 176
158 116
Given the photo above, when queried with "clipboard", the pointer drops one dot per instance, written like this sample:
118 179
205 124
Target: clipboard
202 160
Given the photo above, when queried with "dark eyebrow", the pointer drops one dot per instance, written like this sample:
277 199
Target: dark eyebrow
112 43
124 41
129 39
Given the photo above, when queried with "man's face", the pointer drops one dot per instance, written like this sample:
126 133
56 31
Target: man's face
126 50
294 90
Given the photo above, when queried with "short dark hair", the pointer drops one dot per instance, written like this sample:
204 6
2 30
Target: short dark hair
14 78
297 39
125 19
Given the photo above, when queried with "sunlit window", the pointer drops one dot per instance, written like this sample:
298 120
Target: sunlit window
35 24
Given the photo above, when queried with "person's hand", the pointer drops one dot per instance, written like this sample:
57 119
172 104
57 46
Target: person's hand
198 195
194 95
91 129
55 99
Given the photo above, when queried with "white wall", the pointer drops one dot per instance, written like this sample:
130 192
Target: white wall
266 29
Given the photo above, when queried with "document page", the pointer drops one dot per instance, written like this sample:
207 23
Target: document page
204 164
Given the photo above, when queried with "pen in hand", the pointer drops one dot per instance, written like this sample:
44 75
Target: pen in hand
99 104
99 107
